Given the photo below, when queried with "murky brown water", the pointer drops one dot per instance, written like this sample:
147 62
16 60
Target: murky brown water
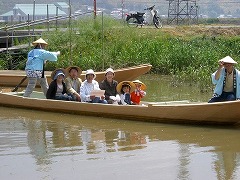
40 145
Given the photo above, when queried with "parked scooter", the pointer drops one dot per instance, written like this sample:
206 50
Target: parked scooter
139 19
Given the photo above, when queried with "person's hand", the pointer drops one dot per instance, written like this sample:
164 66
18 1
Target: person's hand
102 97
113 98
58 53
78 98
221 64
141 92
92 97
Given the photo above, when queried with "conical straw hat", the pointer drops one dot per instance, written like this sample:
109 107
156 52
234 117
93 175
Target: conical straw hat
39 41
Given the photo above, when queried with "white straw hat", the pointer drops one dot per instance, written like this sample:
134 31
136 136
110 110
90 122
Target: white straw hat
228 59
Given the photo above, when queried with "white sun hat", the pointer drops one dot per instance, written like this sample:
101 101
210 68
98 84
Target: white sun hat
228 59
90 71
109 70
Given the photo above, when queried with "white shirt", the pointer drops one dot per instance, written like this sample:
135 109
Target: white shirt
86 89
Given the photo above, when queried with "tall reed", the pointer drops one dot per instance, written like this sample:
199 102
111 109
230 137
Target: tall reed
187 53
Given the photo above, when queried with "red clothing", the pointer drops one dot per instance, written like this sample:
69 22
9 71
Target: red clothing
136 97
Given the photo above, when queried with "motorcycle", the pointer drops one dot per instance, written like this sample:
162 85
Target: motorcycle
139 19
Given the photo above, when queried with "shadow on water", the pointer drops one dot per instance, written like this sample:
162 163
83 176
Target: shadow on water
183 149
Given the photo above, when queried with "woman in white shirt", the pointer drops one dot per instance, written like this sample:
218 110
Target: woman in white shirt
88 85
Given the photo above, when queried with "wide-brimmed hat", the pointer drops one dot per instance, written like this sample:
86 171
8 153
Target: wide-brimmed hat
68 69
228 59
90 71
143 86
57 72
109 70
39 41
129 83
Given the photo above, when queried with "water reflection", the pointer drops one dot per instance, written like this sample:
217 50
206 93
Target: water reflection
172 151
162 88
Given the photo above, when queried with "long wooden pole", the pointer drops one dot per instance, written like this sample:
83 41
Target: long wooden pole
95 8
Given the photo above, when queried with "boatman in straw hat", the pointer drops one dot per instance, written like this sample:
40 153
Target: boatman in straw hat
73 81
37 57
226 80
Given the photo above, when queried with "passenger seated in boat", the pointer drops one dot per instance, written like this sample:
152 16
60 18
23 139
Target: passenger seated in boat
110 87
138 93
57 88
125 88
88 85
35 66
227 81
73 81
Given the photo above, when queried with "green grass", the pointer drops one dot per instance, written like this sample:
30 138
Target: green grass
188 53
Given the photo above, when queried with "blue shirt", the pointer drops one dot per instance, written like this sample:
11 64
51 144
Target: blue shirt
36 58
219 83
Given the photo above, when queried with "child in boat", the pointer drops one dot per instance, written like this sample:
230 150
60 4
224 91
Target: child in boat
57 88
125 88
138 93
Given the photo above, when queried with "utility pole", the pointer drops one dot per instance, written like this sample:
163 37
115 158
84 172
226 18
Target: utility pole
122 9
95 8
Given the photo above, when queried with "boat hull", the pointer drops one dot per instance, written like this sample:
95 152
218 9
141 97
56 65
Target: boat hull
226 113
14 77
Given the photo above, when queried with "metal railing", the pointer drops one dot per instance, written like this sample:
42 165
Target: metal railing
10 30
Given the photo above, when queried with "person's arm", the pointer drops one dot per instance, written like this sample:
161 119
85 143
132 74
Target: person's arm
122 98
69 86
218 72
50 56
83 93
51 92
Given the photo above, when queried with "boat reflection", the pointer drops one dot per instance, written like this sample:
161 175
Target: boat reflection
50 135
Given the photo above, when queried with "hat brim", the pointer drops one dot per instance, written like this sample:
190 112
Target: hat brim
73 67
39 41
228 59
143 86
119 86
54 72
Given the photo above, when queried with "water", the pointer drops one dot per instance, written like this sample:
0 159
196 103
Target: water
43 145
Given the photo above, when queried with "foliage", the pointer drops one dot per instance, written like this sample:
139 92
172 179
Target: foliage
188 53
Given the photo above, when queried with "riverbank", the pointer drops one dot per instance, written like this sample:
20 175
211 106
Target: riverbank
190 53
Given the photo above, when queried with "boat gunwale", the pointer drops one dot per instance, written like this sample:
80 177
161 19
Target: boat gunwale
118 114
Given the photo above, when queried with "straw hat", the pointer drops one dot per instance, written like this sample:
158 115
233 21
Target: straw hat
129 83
109 70
143 86
90 71
68 69
228 59
39 41
58 72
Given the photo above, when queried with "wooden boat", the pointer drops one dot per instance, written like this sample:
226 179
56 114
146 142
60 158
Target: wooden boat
226 113
13 77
